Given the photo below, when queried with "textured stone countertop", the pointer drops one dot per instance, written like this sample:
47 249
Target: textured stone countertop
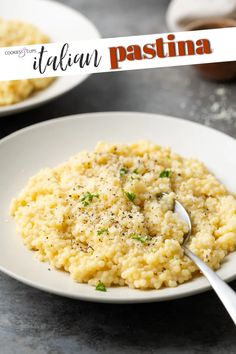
32 321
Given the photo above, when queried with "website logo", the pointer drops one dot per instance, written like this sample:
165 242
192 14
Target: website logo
20 52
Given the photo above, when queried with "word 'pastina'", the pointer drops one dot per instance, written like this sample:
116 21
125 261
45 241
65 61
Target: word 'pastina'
159 49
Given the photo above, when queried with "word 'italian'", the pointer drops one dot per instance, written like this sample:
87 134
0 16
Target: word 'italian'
159 49
65 60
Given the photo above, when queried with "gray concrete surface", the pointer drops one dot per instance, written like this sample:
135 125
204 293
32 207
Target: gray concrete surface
35 322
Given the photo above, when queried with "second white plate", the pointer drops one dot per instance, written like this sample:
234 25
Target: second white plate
62 24
47 144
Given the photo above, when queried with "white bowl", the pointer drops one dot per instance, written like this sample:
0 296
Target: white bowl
47 144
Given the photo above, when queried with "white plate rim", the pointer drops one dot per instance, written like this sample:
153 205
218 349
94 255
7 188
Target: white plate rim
99 296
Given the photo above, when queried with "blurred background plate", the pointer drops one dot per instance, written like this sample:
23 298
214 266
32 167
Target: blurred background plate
61 24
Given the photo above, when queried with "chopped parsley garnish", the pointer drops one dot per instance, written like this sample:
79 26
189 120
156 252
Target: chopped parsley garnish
143 239
87 198
165 173
102 231
131 196
100 286
123 171
136 171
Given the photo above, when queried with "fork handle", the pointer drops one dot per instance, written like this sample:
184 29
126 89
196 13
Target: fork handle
224 291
